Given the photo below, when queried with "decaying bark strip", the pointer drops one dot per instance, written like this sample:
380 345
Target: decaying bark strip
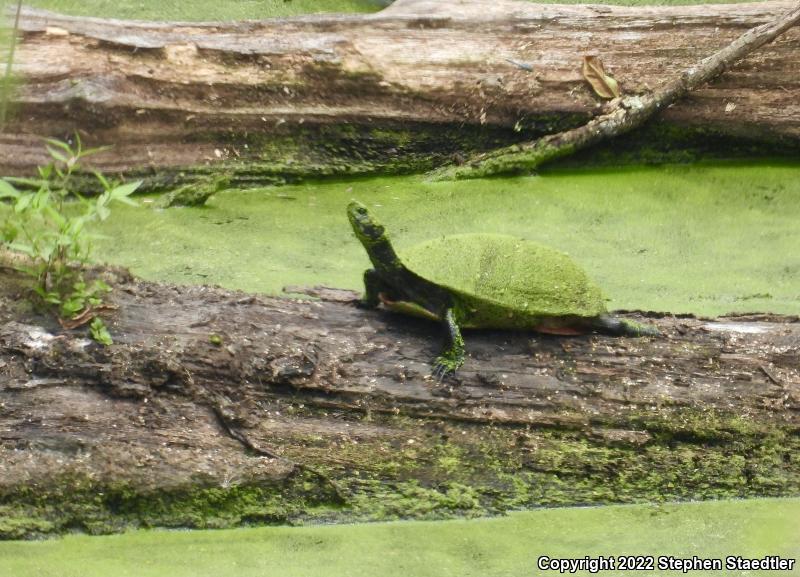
401 89
626 114
237 393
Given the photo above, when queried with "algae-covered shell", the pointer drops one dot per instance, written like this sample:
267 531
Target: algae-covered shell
500 281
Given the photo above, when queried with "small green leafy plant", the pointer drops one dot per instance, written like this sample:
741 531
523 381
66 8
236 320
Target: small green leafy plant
50 228
99 331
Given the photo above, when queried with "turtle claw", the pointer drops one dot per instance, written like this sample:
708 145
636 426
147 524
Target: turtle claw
444 367
440 371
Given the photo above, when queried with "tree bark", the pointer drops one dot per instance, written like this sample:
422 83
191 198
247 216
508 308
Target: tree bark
319 404
402 89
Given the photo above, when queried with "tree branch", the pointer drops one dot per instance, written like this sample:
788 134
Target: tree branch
628 112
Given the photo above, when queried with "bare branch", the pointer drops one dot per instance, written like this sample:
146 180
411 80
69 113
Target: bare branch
628 112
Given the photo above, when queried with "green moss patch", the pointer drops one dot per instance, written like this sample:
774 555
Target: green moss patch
440 470
77 503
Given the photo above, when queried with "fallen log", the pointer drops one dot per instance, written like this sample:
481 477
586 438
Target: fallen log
624 113
216 408
408 88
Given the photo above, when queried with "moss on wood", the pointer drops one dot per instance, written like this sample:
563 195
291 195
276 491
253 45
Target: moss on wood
440 470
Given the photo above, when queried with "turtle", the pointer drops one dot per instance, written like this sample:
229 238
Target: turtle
483 281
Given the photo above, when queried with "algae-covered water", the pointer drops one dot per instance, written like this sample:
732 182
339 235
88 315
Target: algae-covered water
203 9
507 546
703 239
255 9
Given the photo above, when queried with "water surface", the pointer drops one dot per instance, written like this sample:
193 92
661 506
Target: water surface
699 239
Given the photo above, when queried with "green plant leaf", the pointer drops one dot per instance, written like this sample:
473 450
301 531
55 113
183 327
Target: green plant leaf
23 202
58 156
124 190
7 190
41 200
103 180
75 225
21 247
72 307
99 286
95 150
60 144
44 250
30 271
127 200
46 171
46 235
55 215
49 297
103 212
99 332
9 231
32 182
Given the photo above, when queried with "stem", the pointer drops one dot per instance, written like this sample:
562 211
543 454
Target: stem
7 76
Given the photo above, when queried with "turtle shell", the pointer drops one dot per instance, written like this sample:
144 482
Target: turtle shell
500 281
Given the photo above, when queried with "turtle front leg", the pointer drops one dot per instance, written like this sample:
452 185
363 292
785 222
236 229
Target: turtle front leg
373 286
452 356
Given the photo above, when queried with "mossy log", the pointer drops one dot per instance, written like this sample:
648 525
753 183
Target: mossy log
413 86
216 409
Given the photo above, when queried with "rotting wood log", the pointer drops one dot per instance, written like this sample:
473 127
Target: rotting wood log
404 89
216 408
623 114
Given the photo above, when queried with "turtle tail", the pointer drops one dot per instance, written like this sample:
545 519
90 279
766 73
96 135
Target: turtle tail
617 327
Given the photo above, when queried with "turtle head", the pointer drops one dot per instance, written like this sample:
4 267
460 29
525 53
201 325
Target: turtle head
367 229
372 235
